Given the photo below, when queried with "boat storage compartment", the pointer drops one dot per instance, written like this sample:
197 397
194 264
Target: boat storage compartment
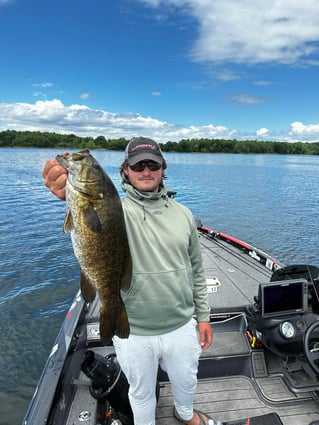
230 353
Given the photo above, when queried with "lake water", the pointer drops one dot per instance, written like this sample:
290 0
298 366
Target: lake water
270 201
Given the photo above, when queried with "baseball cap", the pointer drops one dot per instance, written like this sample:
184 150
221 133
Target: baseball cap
142 148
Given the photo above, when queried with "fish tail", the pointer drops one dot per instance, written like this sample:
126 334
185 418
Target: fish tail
113 321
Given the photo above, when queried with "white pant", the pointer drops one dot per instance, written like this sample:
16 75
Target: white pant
177 352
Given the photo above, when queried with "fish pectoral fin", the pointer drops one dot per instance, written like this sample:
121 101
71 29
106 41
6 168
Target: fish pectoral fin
91 219
68 225
126 277
88 290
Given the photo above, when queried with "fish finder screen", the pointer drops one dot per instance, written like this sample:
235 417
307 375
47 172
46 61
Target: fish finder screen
284 297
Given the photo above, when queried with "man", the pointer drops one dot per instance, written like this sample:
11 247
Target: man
168 286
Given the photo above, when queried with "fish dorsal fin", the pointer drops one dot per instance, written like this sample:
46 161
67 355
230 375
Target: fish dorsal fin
91 219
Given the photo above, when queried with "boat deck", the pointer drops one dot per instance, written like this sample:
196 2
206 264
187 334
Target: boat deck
234 383
233 276
241 388
235 380
237 397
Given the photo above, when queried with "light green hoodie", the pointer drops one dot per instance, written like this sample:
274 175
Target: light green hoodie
168 283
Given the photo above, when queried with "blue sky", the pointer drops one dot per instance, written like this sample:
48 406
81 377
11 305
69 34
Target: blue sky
166 69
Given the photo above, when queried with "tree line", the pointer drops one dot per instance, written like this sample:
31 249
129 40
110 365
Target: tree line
37 139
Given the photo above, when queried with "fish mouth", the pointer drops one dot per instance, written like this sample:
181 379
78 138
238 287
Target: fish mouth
78 156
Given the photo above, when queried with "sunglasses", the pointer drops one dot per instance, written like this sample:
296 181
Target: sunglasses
140 166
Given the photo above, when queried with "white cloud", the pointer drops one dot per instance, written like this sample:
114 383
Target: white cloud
304 131
226 75
85 96
282 31
43 85
54 116
39 94
156 93
262 83
262 132
247 99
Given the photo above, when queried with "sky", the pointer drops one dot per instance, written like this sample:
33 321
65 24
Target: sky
165 69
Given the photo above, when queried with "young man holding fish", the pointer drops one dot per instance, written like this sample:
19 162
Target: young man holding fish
168 286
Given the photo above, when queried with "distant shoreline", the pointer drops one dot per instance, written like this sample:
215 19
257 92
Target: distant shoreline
36 139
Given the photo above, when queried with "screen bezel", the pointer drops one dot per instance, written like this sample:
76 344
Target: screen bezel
283 286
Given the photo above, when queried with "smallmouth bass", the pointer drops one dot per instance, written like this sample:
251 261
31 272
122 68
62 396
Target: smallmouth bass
95 220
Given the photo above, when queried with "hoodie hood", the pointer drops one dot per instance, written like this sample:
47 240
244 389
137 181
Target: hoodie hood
142 197
146 200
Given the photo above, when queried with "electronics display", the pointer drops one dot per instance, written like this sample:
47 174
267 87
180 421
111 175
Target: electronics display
284 297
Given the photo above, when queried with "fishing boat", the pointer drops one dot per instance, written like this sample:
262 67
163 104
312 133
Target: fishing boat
262 368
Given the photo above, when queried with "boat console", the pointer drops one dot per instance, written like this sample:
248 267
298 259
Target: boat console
281 317
285 316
